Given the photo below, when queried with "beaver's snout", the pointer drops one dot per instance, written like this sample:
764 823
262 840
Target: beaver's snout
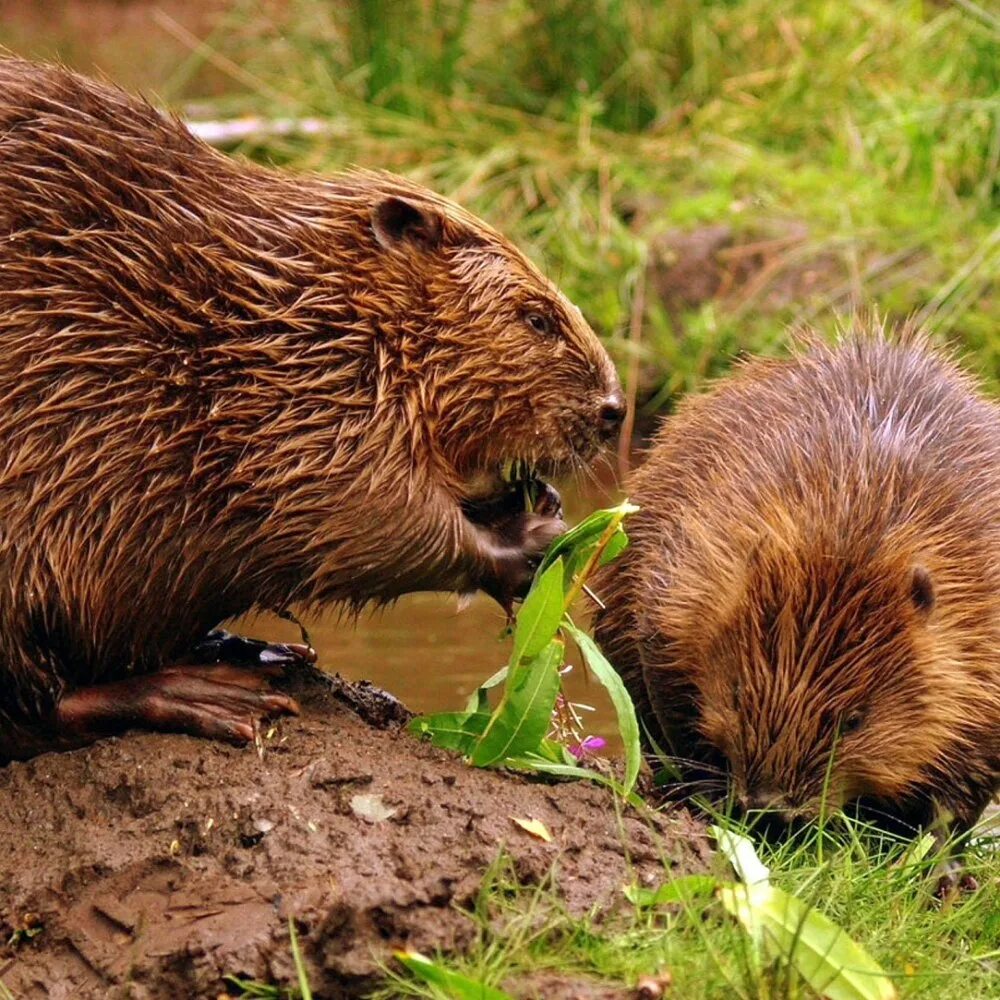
611 415
770 812
763 798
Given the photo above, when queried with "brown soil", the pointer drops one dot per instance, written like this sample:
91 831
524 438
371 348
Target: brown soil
155 864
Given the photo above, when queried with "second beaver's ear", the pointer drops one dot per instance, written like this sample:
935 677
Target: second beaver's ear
396 220
922 590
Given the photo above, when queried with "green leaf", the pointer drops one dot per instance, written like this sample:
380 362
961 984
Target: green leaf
555 752
587 532
478 700
681 890
608 677
615 547
453 984
917 851
829 960
524 714
539 617
457 731
741 854
826 957
541 765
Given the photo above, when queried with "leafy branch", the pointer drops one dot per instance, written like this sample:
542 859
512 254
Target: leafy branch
514 734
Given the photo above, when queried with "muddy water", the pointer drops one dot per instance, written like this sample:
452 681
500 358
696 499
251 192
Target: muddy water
431 655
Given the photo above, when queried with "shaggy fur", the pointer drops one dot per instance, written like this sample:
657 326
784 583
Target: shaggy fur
816 570
224 387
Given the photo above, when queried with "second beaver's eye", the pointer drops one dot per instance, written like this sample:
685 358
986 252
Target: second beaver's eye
851 723
539 322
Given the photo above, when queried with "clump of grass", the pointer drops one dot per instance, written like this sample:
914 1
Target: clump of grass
587 128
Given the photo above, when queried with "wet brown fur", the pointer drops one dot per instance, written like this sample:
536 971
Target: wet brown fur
816 570
219 390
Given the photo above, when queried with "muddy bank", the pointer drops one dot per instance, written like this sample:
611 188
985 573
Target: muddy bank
157 864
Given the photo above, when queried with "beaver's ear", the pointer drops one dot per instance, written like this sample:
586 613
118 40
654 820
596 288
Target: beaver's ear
922 590
396 220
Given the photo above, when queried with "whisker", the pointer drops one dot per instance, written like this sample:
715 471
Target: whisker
697 765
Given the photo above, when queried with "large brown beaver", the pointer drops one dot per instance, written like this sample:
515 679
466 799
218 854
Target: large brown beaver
811 600
224 387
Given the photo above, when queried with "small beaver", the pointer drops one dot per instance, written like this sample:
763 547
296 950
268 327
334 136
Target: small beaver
811 599
224 387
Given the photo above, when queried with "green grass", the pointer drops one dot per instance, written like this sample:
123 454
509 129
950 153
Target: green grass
857 140
857 880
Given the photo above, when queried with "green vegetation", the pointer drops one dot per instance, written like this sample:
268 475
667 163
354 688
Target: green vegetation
877 891
533 727
852 148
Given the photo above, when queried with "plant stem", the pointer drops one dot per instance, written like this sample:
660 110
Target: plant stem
581 578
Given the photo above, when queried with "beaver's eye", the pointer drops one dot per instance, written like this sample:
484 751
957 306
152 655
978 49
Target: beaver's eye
851 723
538 322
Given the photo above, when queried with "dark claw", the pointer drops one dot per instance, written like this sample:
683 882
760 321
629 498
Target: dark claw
220 646
275 654
968 883
953 882
946 888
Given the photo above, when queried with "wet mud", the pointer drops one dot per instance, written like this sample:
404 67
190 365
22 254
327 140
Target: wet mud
154 865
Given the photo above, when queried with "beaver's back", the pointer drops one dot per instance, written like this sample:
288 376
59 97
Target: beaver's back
870 436
178 330
824 432
125 262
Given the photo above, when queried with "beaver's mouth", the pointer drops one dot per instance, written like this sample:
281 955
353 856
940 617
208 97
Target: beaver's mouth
498 480
511 486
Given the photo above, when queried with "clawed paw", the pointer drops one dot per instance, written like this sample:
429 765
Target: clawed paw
525 539
220 646
953 882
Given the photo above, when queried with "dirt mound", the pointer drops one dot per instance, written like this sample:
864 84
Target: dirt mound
156 864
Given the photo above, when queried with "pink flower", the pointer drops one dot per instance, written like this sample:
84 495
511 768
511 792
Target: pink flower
590 745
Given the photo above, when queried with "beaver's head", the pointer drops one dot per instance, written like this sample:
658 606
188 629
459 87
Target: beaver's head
834 665
498 370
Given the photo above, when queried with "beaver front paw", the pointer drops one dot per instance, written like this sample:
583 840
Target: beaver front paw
520 544
509 541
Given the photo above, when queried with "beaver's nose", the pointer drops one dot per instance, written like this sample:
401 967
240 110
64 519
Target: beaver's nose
612 413
761 798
